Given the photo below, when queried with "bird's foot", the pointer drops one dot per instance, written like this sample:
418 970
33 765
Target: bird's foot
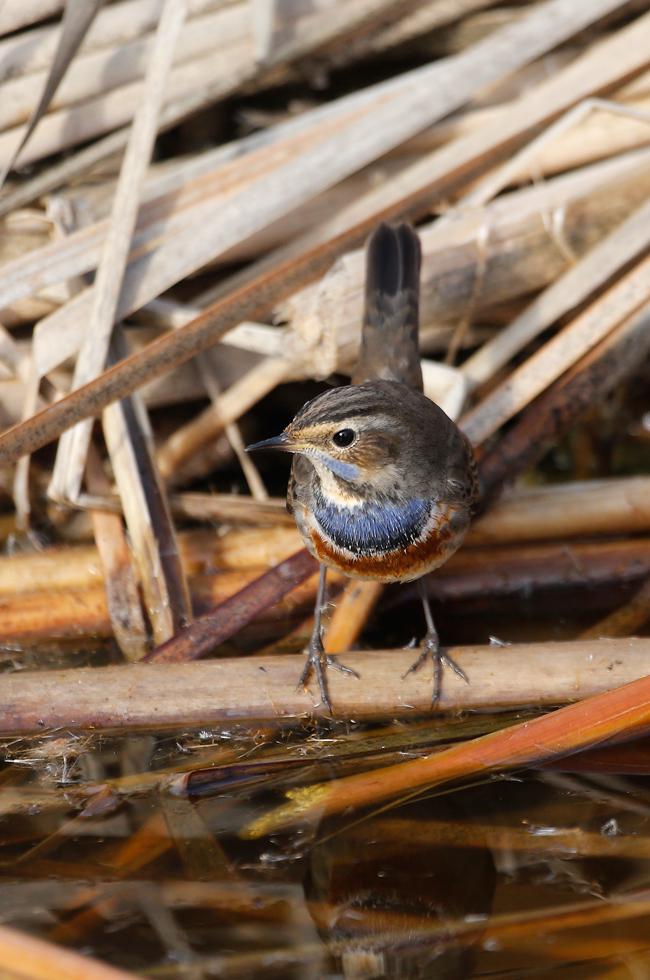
431 651
318 661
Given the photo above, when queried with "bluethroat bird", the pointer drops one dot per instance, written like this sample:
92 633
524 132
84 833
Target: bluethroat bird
383 483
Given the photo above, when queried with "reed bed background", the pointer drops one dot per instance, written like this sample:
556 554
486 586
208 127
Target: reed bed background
187 187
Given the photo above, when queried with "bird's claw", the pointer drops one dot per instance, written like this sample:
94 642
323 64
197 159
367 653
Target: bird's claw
319 662
431 651
333 662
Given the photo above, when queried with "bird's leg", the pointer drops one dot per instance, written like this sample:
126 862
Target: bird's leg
431 649
317 659
316 651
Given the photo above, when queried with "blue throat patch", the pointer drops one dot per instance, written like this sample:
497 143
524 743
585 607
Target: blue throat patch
373 528
346 471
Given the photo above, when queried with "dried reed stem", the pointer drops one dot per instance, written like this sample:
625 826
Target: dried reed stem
569 510
252 689
351 612
146 510
622 712
441 171
515 239
204 633
122 597
13 17
402 114
28 616
73 447
565 401
626 620
35 959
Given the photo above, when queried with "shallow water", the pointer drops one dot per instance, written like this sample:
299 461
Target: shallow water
131 849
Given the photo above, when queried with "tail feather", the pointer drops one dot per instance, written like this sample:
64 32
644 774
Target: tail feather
389 340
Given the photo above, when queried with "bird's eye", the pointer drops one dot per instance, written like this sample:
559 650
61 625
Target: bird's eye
343 438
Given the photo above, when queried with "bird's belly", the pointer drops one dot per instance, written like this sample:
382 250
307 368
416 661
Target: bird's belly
412 552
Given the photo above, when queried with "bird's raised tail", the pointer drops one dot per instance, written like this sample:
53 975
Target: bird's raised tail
389 339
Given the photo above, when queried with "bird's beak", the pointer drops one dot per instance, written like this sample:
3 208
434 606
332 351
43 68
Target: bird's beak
282 442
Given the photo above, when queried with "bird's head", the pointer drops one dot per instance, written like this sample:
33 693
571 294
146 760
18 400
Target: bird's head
357 433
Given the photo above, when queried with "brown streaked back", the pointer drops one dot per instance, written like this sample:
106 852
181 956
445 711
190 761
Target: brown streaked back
389 339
